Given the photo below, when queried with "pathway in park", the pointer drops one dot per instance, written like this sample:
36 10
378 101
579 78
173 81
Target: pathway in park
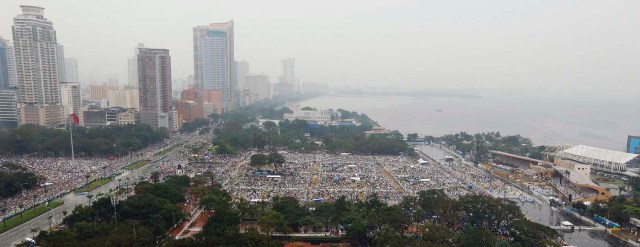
390 177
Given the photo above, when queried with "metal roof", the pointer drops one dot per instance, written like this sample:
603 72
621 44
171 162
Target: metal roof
601 154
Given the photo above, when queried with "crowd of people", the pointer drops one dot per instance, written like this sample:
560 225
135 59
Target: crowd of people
62 175
321 176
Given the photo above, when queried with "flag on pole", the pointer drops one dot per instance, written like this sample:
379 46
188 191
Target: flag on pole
75 118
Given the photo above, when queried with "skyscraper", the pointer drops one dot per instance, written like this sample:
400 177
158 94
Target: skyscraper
288 69
259 87
71 70
11 65
8 75
70 97
133 67
4 64
289 74
213 50
61 63
154 82
36 60
8 110
242 70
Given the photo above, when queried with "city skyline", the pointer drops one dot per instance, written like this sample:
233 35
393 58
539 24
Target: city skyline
505 46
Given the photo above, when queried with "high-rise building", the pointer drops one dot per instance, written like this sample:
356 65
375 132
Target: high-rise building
100 91
35 44
8 110
154 82
125 98
288 69
214 62
259 87
242 70
8 75
61 63
133 67
288 75
204 96
70 97
4 64
71 70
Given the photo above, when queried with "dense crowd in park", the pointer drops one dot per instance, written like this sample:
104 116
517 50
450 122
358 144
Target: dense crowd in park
326 177
62 175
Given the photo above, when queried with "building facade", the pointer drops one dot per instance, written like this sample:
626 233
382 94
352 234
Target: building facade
128 117
101 91
70 97
36 56
242 69
8 73
259 87
288 76
8 110
71 70
154 82
214 64
61 63
133 67
4 63
322 117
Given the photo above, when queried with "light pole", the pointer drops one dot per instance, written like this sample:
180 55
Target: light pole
114 201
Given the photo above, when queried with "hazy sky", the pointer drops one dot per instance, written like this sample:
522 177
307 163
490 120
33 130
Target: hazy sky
553 46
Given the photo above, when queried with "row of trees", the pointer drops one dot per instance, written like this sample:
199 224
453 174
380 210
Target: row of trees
110 140
142 219
195 125
430 219
239 131
483 142
15 178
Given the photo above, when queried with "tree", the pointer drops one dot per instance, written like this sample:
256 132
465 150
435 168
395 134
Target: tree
477 237
271 220
258 160
412 137
276 160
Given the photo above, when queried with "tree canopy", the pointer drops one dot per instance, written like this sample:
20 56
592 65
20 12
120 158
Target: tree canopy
109 140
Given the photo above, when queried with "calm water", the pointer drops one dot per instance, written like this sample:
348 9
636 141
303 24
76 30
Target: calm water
594 122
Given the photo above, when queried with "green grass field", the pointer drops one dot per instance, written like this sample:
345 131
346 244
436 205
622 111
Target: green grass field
28 215
136 165
164 151
93 185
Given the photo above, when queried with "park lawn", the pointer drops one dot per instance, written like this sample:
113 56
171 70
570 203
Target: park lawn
28 215
94 185
164 151
136 165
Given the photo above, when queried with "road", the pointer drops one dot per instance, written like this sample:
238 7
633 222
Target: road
543 213
71 200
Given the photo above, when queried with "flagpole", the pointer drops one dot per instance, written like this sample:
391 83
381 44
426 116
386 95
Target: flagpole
73 155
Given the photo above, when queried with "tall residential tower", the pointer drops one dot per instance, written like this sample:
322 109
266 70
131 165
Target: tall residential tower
154 82
214 61
37 68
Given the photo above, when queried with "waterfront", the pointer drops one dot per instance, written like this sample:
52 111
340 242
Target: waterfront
595 122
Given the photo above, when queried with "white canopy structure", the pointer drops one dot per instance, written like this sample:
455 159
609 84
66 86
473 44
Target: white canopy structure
598 158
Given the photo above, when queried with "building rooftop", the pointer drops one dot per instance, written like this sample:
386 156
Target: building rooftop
600 154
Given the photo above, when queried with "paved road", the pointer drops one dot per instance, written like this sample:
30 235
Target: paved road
544 214
71 200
